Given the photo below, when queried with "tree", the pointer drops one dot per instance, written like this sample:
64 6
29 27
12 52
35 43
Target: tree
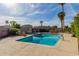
61 16
6 21
75 27
62 5
14 27
41 22
14 24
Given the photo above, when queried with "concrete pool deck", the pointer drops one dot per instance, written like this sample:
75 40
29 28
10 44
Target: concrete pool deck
10 47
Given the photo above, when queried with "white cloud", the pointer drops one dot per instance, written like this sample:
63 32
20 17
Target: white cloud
32 9
17 9
4 18
48 10
20 20
23 21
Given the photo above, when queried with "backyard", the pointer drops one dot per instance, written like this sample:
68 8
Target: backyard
36 32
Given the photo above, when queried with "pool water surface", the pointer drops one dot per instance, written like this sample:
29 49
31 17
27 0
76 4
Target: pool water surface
44 39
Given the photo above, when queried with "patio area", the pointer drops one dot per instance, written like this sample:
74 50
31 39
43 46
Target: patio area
10 47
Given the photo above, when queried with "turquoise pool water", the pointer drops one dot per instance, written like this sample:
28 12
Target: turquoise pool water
44 39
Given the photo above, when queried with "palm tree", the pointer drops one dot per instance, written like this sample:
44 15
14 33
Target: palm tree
61 17
6 21
41 22
62 5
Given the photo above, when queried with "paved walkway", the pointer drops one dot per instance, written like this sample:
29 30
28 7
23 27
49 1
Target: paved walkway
9 46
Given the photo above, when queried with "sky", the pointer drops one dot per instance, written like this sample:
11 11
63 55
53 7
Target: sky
33 13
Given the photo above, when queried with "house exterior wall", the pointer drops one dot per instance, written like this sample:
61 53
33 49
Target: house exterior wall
41 29
4 31
26 28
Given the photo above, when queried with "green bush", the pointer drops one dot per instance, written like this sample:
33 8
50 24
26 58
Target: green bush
14 27
75 26
13 31
73 29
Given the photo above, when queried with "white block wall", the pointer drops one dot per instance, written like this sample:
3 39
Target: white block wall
3 31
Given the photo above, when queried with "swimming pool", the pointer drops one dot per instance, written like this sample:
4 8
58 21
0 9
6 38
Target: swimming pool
44 39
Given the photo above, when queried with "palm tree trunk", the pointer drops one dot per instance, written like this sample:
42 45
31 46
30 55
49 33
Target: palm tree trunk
62 22
62 25
62 8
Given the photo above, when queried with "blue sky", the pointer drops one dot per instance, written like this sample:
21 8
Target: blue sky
30 13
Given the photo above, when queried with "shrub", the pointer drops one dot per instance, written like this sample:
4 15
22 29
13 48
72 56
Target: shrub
13 31
75 26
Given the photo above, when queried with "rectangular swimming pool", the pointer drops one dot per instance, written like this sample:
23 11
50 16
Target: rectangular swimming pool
44 39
